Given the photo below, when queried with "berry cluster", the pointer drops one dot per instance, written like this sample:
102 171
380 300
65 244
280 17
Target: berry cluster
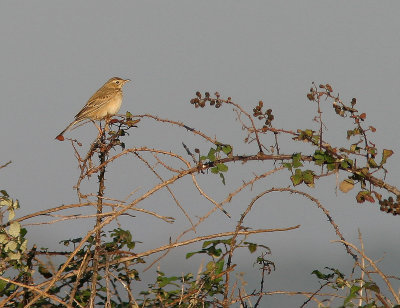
200 101
267 115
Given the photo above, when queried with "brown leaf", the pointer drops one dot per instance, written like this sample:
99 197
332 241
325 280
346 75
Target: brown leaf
112 121
346 185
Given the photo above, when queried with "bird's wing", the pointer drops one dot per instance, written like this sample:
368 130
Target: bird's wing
94 103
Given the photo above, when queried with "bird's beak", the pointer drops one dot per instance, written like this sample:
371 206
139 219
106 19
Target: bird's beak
126 80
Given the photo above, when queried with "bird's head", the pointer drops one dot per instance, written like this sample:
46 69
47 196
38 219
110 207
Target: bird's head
116 82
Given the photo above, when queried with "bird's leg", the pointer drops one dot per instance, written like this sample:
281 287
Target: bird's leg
107 121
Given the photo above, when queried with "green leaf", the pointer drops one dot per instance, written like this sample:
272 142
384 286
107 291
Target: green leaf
252 247
344 164
329 158
207 243
308 132
131 245
350 162
211 154
372 286
227 149
297 178
321 275
353 293
219 266
308 178
297 164
3 284
210 266
163 281
223 178
189 254
331 167
319 162
214 252
319 157
23 232
297 160
214 170
222 167
287 165
315 139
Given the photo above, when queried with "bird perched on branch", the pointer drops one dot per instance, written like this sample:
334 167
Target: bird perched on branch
105 103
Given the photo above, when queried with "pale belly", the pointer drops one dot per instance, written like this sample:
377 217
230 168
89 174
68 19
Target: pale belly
109 109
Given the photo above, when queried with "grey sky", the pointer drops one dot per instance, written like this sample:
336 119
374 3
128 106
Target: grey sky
54 55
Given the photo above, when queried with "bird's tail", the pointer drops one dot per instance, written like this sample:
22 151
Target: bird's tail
68 127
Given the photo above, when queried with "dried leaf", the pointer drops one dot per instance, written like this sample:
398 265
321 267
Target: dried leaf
346 185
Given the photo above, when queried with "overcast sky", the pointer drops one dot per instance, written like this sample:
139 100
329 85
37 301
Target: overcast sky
54 55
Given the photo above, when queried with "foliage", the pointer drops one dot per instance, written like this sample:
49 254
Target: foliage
105 266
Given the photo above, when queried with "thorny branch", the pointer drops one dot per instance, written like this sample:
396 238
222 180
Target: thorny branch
103 145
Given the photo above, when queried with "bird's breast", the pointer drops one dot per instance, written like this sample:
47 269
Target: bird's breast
114 105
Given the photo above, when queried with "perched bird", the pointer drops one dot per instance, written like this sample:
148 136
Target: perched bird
105 103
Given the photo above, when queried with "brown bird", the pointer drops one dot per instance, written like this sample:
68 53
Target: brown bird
105 103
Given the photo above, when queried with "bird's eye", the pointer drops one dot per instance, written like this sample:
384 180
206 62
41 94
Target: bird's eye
117 82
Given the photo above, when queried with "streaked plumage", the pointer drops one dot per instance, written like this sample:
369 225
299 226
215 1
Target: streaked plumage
105 103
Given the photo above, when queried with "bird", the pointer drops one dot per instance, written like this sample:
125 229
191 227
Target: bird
103 104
